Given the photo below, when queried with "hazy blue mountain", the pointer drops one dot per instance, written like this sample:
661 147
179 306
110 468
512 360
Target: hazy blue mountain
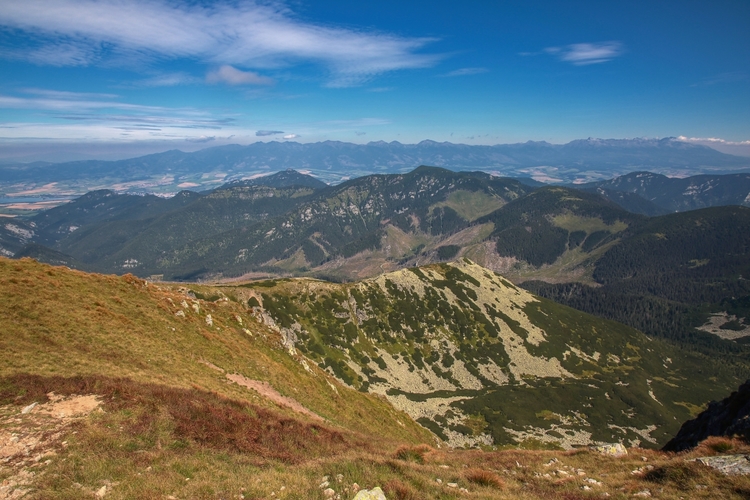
332 161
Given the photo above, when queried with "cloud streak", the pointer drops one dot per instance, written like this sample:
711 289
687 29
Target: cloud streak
266 133
233 76
712 140
467 71
583 54
242 34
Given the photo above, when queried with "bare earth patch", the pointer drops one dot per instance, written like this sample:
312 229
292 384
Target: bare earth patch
719 319
30 435
267 391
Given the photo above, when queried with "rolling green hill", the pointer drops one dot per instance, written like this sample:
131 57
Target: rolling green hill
540 227
667 275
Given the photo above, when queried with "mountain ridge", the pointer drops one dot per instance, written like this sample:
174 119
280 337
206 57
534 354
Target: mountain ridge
333 161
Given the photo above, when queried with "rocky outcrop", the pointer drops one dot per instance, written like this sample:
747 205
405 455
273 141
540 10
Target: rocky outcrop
729 417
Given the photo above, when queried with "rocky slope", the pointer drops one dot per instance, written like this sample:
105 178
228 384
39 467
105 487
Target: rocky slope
480 361
727 418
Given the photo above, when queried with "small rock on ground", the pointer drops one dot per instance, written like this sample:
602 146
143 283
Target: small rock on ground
373 494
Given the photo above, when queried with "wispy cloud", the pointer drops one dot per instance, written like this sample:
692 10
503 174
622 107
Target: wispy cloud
63 94
233 76
582 54
467 71
237 34
265 133
729 77
168 80
712 140
102 117
291 136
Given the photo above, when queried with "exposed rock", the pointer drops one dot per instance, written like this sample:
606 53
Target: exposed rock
729 417
612 450
731 465
27 409
374 494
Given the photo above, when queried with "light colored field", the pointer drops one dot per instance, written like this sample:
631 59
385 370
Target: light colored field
471 205
589 224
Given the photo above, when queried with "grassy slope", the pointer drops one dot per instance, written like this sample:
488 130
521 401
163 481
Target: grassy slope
57 322
175 429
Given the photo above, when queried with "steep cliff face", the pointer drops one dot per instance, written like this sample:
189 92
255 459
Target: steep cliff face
729 417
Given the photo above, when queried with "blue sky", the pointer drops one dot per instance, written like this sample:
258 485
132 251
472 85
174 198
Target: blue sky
118 78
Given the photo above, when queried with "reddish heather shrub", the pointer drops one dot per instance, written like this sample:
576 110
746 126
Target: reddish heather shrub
198 417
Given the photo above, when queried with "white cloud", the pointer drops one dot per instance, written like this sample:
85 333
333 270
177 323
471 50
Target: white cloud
202 138
291 136
581 54
712 140
467 71
232 76
240 33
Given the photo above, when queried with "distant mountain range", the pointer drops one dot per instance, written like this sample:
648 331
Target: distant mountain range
333 162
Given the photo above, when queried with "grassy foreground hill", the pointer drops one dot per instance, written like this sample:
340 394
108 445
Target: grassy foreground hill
117 388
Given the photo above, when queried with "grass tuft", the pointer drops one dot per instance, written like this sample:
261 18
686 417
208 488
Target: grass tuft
400 491
413 453
683 475
718 444
484 478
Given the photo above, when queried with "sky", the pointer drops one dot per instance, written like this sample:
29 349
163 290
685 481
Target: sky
112 79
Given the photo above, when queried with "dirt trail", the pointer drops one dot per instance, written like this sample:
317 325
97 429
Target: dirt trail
267 391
